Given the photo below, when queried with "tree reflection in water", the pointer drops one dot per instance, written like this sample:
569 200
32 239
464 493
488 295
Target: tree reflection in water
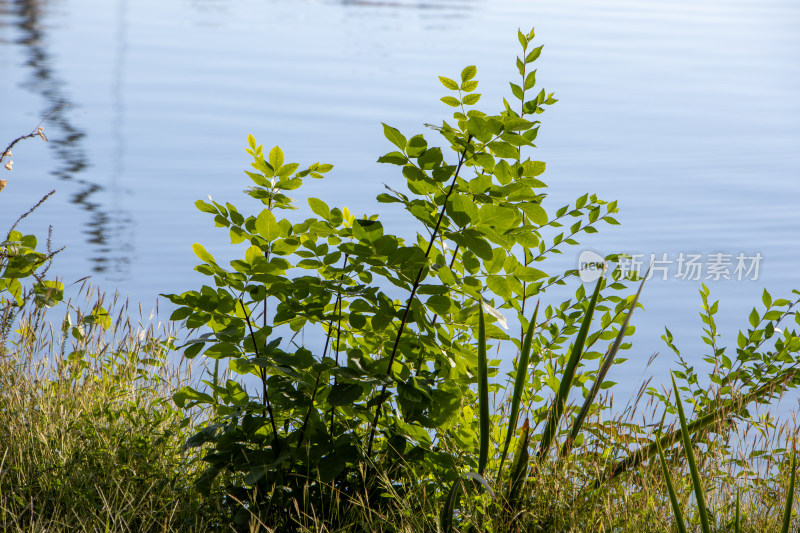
67 139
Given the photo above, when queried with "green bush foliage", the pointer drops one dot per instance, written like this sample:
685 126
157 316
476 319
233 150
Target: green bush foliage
393 384
393 415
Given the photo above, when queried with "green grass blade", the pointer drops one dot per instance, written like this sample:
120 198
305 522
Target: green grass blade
687 447
732 406
787 511
737 523
673 498
560 401
601 375
483 394
450 506
519 466
448 511
519 384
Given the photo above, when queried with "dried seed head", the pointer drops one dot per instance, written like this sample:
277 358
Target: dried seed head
9 164
40 131
3 184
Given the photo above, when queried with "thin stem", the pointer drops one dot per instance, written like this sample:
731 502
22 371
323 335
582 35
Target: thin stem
374 425
263 376
435 317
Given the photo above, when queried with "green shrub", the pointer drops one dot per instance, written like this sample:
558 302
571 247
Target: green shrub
393 407
392 386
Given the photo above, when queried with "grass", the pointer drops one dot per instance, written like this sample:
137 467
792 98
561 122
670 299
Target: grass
90 441
89 437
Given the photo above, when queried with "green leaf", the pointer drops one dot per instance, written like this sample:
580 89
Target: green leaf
499 286
344 394
222 350
449 100
331 466
534 54
531 169
276 158
431 159
205 207
50 293
522 39
395 158
201 252
441 305
394 136
503 149
517 124
530 80
180 313
236 394
448 83
319 208
471 99
367 230
535 213
477 244
416 146
754 318
516 90
188 394
469 86
267 226
468 73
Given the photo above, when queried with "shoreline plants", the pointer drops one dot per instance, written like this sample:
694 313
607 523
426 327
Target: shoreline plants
395 415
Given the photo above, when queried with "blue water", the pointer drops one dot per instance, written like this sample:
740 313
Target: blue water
684 112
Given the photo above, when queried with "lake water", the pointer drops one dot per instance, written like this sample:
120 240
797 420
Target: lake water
685 112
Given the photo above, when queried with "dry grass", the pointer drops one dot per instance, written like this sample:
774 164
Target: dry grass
89 437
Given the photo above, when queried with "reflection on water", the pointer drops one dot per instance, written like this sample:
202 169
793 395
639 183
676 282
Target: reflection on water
405 5
67 139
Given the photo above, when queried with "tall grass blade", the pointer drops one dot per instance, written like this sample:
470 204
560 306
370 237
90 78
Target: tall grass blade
737 523
519 384
687 447
732 406
673 498
601 374
483 394
787 511
519 466
450 505
557 409
448 511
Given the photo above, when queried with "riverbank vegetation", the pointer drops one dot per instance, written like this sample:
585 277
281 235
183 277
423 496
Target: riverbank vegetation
339 376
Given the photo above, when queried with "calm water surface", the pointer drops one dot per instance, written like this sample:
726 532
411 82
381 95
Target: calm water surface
685 112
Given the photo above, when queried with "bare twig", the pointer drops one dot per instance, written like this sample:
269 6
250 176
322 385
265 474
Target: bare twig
38 131
31 210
